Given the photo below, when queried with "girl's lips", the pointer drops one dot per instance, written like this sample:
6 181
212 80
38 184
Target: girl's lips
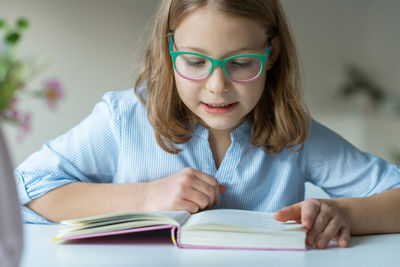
219 109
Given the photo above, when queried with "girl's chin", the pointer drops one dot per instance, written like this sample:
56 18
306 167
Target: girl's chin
220 126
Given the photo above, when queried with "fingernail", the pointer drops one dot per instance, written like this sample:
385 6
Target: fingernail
310 240
342 243
321 244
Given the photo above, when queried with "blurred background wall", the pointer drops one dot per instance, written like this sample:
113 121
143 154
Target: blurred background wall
333 34
94 46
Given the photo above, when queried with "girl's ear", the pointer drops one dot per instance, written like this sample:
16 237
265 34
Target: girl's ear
274 54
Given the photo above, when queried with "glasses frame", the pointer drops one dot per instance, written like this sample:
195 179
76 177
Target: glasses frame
219 62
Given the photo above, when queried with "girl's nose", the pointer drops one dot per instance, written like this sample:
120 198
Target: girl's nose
217 82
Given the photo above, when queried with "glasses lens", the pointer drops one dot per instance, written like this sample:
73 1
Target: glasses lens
243 68
192 66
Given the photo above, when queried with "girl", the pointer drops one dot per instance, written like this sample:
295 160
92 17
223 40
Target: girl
221 123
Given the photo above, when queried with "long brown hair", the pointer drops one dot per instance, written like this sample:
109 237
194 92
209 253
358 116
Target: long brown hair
279 119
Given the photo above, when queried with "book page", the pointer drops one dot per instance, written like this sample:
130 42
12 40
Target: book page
237 218
162 216
120 221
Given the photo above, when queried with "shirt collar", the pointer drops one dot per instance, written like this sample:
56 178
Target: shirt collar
241 134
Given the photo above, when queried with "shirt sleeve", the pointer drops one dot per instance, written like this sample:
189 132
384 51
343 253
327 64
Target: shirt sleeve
89 152
341 169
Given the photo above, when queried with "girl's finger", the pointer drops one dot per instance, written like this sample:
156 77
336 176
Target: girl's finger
320 223
292 212
331 230
199 198
205 177
344 237
212 181
206 189
318 226
222 188
189 206
310 210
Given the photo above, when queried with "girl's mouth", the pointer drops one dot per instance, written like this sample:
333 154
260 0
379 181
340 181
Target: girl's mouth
219 108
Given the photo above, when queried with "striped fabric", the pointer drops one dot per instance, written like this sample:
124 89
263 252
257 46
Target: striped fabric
116 144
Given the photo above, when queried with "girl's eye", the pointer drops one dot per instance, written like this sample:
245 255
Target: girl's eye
195 62
241 64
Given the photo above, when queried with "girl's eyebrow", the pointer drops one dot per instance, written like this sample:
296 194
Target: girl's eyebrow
233 52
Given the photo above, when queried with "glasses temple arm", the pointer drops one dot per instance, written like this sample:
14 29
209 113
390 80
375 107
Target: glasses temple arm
171 42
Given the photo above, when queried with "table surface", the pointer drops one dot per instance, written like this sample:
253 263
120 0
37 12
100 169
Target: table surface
156 249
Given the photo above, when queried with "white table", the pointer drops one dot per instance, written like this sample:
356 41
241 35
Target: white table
41 251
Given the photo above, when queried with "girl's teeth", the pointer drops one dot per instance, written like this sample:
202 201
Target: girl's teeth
213 106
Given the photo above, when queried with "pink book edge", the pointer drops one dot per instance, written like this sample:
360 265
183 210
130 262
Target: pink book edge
132 230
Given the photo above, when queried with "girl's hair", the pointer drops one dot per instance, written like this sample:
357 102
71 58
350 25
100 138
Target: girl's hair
279 119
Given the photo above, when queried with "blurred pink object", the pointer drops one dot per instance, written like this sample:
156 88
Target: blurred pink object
25 127
53 92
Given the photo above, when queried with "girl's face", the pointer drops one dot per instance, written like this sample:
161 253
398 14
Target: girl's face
219 102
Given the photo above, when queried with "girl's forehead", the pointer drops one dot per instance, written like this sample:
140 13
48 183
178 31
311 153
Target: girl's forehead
210 29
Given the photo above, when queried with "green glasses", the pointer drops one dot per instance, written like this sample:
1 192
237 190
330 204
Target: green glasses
197 67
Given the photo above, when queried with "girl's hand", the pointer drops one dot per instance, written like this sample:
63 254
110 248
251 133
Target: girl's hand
324 219
188 189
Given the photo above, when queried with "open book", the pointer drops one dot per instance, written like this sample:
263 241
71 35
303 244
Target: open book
218 228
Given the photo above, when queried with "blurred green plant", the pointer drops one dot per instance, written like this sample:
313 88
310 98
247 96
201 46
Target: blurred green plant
16 73
359 83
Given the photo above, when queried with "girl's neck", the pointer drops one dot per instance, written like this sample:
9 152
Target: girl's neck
219 142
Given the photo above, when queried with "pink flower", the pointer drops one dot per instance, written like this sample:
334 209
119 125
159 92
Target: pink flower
11 113
26 123
25 126
14 114
53 92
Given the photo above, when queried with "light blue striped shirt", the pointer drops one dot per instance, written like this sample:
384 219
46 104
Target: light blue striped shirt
116 143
